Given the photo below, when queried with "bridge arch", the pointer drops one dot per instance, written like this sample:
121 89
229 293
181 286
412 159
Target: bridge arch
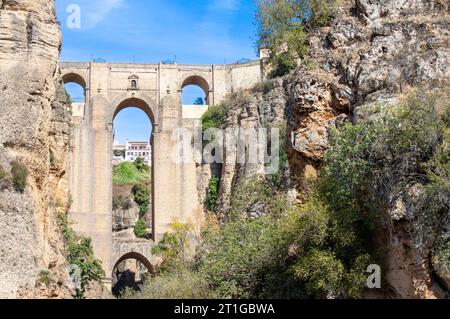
137 256
197 80
150 108
73 77
119 280
141 101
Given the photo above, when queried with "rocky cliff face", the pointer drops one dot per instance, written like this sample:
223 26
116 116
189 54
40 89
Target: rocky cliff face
34 131
373 51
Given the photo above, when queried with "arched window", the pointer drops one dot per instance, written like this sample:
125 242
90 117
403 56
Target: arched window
133 84
195 91
75 87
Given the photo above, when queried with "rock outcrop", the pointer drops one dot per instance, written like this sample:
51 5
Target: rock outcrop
372 52
34 131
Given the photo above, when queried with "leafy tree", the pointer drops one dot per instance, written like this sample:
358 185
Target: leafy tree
199 101
283 25
139 163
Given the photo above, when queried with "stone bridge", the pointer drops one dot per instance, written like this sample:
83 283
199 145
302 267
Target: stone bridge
156 89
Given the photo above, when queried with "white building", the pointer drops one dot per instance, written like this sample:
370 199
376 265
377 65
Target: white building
131 151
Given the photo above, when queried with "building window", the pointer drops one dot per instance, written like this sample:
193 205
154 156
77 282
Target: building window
133 84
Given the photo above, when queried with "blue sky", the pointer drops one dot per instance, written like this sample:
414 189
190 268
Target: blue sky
149 31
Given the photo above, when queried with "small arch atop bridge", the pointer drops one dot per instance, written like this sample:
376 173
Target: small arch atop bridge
72 77
122 279
138 257
200 82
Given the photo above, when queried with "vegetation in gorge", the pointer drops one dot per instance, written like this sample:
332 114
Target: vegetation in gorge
80 254
283 26
269 247
19 175
213 193
140 229
133 178
130 173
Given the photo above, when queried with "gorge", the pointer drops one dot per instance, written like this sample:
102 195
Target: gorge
370 63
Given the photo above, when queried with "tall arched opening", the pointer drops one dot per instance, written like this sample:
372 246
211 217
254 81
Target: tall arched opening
130 271
133 171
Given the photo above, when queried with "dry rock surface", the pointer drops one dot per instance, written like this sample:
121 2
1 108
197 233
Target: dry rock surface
35 131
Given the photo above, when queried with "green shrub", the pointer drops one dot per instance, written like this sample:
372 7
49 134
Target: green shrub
140 229
284 63
140 165
80 253
268 86
19 176
2 173
175 246
257 196
69 100
44 278
214 117
322 271
213 193
142 198
181 284
323 247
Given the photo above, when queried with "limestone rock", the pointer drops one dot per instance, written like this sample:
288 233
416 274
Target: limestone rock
34 129
366 59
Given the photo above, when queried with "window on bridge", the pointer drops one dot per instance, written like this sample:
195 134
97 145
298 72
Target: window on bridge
132 175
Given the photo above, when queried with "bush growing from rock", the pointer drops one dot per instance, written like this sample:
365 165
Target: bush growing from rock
19 176
80 253
142 198
213 193
140 229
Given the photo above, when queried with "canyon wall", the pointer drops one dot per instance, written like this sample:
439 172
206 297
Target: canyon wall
371 52
34 132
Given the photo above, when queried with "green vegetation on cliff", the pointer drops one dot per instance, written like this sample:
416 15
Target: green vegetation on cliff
283 26
270 247
85 268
